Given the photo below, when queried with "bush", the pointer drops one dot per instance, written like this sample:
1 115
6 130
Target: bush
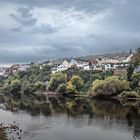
27 88
56 80
40 86
70 88
61 89
129 94
77 82
111 86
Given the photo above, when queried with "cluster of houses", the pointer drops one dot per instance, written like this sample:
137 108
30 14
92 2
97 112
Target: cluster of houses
72 64
102 64
13 69
118 64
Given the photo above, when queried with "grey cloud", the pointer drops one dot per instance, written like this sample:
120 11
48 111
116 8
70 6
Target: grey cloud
118 31
44 29
86 5
24 17
125 17
9 57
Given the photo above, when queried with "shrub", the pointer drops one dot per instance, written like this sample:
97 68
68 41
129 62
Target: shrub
77 82
61 89
70 88
56 80
40 86
27 88
111 86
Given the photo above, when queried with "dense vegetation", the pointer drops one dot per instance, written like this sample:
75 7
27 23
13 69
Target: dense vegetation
26 82
38 80
136 58
111 86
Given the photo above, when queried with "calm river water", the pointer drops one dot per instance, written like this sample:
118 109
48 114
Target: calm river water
79 120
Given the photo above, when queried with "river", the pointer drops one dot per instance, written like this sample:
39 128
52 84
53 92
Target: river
78 120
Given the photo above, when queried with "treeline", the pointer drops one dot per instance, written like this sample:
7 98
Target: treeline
38 79
26 82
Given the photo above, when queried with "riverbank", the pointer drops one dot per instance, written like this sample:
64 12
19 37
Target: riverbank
2 134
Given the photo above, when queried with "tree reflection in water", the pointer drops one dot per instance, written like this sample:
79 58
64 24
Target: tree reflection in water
107 112
123 115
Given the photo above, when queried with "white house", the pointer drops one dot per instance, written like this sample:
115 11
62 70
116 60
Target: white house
54 70
82 64
23 67
109 60
109 66
66 63
2 72
128 59
86 67
114 66
73 63
64 66
3 68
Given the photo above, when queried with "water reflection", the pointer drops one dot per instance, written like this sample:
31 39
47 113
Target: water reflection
108 114
82 118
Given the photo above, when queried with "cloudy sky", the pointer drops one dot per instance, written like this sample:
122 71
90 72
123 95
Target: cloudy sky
32 30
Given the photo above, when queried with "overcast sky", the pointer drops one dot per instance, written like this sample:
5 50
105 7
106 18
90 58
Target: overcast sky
32 30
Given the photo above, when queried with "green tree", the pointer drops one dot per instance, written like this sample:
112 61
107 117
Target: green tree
134 84
130 71
77 82
12 87
15 86
111 86
96 76
56 80
6 89
27 88
61 89
40 86
70 88
136 58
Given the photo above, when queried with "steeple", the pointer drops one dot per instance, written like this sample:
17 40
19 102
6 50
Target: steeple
130 51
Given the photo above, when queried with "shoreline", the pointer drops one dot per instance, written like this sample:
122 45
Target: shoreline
2 134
